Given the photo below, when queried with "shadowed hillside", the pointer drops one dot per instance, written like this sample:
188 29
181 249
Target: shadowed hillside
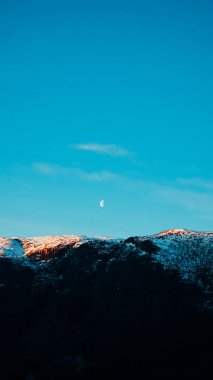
83 308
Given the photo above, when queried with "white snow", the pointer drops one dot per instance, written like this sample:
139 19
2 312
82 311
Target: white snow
189 252
11 247
19 247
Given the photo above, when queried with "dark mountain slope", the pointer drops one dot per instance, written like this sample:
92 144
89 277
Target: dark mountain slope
140 307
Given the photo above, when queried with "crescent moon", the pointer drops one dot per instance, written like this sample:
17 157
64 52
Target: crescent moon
102 203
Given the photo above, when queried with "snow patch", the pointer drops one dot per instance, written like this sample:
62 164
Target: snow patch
11 247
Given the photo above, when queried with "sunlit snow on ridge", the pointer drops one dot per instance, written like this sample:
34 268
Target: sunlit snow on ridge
22 247
188 252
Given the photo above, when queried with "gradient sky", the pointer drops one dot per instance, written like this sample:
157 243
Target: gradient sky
105 100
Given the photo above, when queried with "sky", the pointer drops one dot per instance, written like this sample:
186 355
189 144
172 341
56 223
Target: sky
105 100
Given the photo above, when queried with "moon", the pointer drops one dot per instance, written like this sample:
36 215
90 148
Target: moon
102 203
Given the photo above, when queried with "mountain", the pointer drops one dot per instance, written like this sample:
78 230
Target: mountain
77 307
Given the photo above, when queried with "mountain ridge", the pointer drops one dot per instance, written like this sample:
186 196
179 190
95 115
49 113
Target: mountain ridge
39 244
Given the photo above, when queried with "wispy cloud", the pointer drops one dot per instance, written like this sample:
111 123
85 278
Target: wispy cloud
185 197
192 194
97 176
49 169
196 183
59 170
106 149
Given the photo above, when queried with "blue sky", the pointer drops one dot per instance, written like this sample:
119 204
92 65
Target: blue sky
105 100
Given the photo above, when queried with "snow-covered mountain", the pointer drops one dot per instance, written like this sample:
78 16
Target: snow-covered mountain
188 252
78 307
44 246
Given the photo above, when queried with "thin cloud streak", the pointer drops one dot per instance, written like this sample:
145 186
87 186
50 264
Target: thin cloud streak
187 198
179 193
58 170
196 182
106 149
49 169
97 176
